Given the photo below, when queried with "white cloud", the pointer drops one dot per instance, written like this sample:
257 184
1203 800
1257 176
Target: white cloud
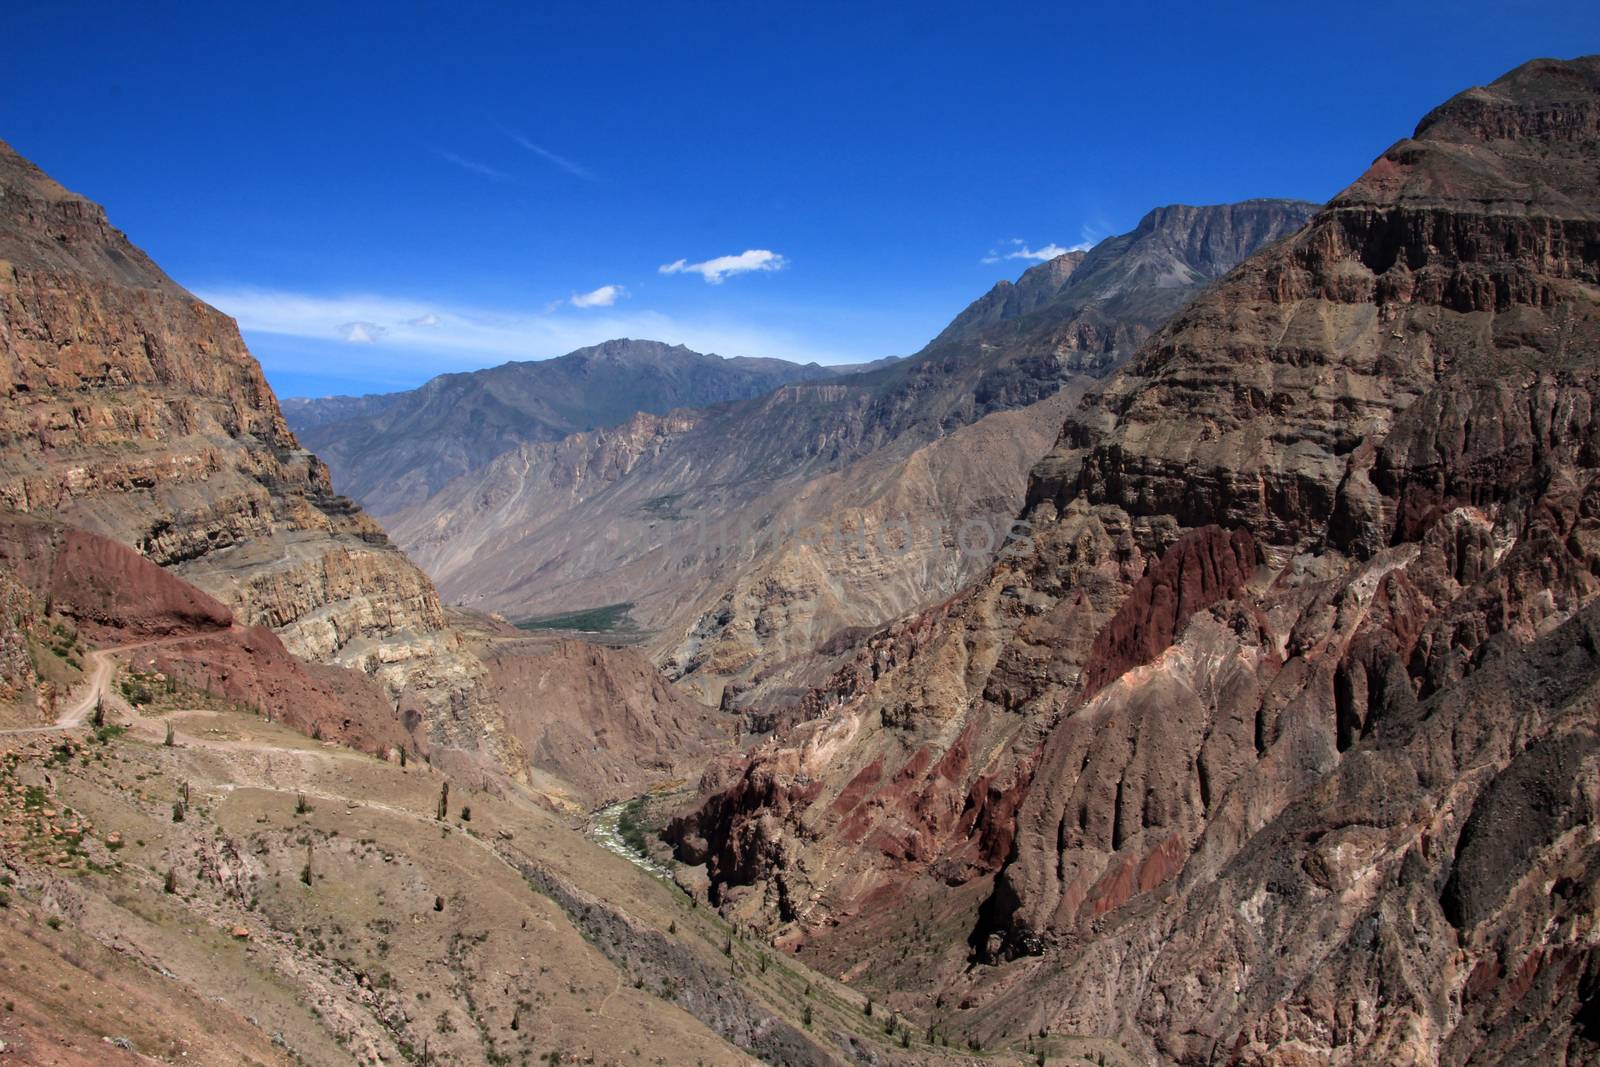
715 270
603 297
392 328
360 333
1049 251
1019 250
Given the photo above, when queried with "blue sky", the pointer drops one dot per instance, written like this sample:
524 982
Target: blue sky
381 194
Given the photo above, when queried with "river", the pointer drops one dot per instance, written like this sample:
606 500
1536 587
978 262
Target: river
606 830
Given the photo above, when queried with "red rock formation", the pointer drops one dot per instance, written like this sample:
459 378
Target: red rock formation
1205 566
114 593
116 597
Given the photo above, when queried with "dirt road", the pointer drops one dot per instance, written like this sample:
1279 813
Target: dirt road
95 688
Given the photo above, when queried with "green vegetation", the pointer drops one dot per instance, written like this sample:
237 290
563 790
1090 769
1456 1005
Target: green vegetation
145 687
664 505
64 643
609 619
104 735
631 828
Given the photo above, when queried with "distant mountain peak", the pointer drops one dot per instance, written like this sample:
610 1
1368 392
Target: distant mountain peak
395 449
1176 246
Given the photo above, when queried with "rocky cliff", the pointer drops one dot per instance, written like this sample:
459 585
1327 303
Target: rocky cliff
1036 287
1273 742
134 410
622 728
1119 290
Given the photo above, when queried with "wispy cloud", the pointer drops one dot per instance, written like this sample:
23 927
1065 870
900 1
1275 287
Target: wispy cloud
434 335
603 297
576 169
1049 251
1017 248
715 270
480 169
360 333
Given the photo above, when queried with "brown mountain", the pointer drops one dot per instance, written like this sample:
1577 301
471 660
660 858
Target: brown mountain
1274 743
1138 277
133 410
1008 300
394 450
746 535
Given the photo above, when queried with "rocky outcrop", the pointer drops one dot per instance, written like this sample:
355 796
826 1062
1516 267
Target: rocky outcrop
1205 566
1292 675
134 416
111 595
1009 300
25 695
133 410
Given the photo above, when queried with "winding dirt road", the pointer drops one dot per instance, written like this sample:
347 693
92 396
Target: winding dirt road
95 688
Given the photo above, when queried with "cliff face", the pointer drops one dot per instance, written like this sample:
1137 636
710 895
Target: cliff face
1009 300
1274 741
134 410
1120 290
462 535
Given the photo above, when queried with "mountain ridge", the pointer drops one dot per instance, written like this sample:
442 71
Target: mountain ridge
391 450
